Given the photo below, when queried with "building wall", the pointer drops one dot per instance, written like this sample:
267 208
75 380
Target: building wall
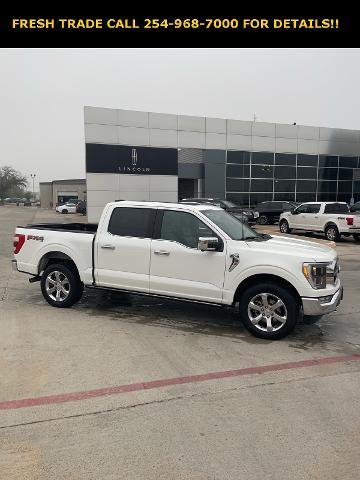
45 194
68 189
245 161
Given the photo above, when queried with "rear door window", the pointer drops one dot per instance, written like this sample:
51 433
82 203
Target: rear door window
336 208
132 222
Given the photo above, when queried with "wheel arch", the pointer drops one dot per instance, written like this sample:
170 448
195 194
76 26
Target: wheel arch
266 277
56 257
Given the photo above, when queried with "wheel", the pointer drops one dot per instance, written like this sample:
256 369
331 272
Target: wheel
332 233
268 311
64 211
61 285
356 237
284 227
263 219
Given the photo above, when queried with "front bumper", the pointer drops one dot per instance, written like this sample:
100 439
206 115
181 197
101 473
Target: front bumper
314 306
14 265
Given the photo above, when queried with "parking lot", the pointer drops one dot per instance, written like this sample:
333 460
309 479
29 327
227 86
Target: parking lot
137 388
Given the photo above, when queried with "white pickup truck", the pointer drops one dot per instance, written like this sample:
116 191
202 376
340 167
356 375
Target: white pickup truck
332 218
193 252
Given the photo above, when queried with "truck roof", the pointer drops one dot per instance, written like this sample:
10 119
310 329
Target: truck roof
178 206
312 203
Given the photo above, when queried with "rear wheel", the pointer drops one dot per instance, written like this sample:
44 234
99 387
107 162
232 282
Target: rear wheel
268 310
332 233
263 219
61 285
357 237
284 226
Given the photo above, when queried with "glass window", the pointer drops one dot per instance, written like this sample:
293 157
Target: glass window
285 172
307 173
345 174
262 171
305 197
344 187
306 186
238 198
184 228
230 225
328 173
290 197
328 161
261 185
336 208
237 185
327 187
132 222
357 186
284 185
240 171
266 158
256 198
313 208
307 160
285 159
350 162
234 156
302 209
327 196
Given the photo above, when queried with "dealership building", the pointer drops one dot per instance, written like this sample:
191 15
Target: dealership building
61 191
134 155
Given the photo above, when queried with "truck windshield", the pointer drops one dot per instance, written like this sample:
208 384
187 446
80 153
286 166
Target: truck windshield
230 225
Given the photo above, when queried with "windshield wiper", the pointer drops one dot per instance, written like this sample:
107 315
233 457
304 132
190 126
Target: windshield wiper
261 237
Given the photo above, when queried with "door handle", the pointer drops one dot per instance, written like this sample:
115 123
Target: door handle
316 217
161 252
109 247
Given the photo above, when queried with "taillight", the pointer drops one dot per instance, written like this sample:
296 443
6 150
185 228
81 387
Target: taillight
350 220
19 240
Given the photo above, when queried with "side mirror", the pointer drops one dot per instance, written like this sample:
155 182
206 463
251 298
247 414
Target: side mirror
293 211
208 244
352 209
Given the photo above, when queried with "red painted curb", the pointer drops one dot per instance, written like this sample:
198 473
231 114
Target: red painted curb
134 387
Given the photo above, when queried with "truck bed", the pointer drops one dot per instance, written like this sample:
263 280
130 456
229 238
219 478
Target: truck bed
64 227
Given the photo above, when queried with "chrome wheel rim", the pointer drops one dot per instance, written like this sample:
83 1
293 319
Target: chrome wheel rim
267 312
57 286
331 233
283 227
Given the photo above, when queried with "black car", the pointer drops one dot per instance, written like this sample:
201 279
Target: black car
355 208
243 214
269 212
81 207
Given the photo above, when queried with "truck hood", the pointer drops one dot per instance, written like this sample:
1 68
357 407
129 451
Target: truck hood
303 249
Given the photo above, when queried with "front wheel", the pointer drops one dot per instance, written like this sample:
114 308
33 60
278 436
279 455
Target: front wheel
357 237
284 226
61 285
268 310
64 211
263 220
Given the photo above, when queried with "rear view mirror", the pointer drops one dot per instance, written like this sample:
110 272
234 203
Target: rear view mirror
208 244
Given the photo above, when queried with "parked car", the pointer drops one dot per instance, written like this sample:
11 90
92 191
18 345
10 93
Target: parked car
245 214
355 207
332 218
81 207
67 208
269 212
191 252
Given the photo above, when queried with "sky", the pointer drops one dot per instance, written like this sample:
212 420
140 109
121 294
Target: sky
43 92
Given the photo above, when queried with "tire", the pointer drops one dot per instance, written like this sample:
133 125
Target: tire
70 287
64 211
332 233
263 219
284 226
356 237
255 319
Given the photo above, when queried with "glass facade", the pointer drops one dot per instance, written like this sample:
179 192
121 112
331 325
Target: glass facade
253 177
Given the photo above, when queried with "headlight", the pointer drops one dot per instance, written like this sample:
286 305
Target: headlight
319 275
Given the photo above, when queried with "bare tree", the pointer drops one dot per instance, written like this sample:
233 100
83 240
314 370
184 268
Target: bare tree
11 181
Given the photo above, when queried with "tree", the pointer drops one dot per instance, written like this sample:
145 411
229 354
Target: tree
11 181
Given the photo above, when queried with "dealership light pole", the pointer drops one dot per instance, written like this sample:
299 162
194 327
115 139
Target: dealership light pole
33 175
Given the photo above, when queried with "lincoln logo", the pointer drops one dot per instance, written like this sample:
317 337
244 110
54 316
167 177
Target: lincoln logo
134 157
